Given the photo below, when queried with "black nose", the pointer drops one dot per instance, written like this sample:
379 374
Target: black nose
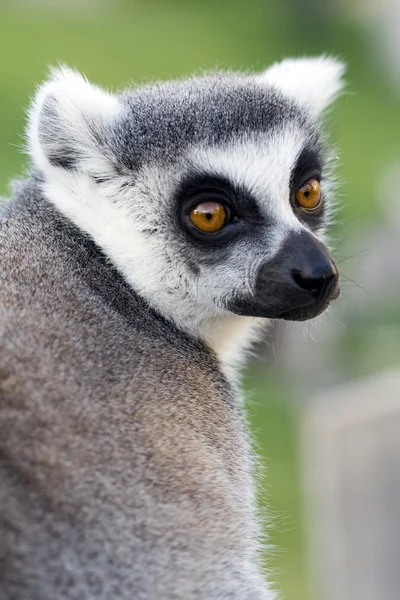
319 279
296 284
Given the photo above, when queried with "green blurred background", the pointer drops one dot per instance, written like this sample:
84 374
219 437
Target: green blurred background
120 41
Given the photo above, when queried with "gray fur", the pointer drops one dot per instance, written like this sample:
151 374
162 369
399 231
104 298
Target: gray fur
207 110
116 480
125 464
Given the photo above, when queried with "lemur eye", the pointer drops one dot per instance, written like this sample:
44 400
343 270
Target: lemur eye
309 195
209 217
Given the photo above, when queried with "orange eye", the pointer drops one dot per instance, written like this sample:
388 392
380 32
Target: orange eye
309 195
209 217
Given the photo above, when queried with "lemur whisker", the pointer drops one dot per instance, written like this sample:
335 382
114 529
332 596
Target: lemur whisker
350 256
344 240
356 283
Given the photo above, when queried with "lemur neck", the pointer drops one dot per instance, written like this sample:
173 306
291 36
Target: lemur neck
231 338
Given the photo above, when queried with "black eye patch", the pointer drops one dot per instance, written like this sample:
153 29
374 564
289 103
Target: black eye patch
309 165
200 187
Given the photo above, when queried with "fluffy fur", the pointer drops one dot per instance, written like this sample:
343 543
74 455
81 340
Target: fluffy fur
125 469
249 129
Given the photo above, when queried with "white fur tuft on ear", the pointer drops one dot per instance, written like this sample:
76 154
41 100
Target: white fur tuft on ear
66 119
314 83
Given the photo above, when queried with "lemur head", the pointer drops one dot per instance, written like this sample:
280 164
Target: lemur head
210 195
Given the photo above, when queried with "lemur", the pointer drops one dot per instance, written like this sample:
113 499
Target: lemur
157 231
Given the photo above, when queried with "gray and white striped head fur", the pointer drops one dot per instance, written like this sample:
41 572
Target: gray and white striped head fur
129 168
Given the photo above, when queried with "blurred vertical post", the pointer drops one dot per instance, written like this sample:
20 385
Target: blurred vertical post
351 455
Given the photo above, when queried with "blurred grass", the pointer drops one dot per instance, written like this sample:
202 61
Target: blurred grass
273 421
145 40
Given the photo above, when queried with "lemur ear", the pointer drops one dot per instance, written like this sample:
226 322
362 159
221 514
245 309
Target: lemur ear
66 121
314 83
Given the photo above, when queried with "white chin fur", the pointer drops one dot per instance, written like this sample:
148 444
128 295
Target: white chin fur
231 337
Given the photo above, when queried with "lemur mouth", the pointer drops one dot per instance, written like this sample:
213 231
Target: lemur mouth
311 310
305 313
297 308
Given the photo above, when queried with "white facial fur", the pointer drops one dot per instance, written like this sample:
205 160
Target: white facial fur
119 211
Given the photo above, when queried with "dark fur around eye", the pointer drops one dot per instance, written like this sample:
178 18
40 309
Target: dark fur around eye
309 165
243 209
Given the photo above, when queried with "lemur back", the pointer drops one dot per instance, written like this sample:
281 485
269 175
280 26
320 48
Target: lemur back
136 267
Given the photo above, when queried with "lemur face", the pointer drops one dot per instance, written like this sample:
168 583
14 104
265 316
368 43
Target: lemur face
210 195
248 221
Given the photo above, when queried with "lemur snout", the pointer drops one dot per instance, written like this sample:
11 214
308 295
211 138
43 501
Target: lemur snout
312 269
296 284
319 280
309 278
